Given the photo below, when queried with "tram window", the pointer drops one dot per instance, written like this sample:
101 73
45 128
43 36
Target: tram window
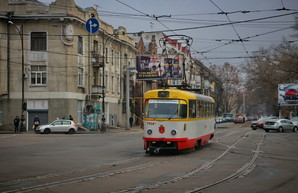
204 109
200 106
210 109
183 110
207 109
192 109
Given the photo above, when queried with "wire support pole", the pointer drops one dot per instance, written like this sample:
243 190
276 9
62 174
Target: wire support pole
21 33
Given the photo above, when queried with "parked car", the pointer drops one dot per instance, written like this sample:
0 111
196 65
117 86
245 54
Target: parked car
279 125
260 122
59 126
294 120
239 119
228 117
291 94
219 120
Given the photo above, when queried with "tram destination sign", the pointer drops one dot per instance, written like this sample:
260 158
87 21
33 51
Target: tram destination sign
156 67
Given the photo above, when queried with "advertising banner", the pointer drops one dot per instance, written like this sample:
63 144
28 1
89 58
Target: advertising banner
156 67
288 94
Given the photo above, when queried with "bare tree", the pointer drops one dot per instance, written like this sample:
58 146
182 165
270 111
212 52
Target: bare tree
230 77
270 67
296 25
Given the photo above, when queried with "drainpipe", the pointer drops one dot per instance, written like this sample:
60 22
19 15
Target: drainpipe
128 70
8 61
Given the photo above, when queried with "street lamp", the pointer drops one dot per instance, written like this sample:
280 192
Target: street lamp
21 33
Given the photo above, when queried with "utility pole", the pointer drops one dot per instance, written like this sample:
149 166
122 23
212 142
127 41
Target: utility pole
23 105
103 118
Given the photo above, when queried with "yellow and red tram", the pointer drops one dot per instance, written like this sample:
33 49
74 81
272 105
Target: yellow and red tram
177 119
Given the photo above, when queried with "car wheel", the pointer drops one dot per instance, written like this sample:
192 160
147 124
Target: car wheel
71 131
280 129
267 130
294 129
47 131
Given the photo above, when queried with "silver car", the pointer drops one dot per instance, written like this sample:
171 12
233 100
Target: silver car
294 120
279 125
59 126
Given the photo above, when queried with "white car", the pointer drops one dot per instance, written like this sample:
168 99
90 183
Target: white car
58 126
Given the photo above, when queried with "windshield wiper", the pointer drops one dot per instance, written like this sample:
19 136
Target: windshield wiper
170 117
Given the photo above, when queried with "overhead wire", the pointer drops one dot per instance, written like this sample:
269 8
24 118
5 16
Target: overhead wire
221 24
169 30
240 39
246 38
231 22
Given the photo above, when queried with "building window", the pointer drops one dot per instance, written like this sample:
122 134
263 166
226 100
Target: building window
112 52
107 83
95 76
107 53
80 77
118 84
80 45
119 62
113 85
38 41
95 47
38 75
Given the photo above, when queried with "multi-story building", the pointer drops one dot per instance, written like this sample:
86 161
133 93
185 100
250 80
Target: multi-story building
197 76
65 70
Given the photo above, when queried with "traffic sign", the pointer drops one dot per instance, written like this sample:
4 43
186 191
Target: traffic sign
92 25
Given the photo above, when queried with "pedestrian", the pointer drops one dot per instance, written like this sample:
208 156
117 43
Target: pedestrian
70 118
36 122
16 124
131 121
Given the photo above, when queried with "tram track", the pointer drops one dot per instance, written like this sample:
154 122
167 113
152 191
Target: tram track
135 166
243 170
81 178
69 172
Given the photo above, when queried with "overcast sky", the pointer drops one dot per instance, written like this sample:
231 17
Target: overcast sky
211 44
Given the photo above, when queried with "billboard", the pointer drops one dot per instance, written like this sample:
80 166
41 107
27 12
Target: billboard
287 94
156 67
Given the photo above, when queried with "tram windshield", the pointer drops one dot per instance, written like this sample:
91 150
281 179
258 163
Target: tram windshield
165 109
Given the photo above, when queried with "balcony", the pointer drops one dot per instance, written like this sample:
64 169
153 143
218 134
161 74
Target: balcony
96 90
97 59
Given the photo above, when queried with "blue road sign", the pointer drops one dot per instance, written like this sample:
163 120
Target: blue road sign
92 25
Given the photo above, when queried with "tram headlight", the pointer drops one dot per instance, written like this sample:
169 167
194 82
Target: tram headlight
149 131
173 132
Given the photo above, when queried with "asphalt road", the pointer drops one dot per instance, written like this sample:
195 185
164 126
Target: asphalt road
237 160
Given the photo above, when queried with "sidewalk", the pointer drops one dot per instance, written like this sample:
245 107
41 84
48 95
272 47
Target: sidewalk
83 130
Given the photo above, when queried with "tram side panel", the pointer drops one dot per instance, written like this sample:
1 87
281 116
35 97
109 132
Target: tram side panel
177 134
